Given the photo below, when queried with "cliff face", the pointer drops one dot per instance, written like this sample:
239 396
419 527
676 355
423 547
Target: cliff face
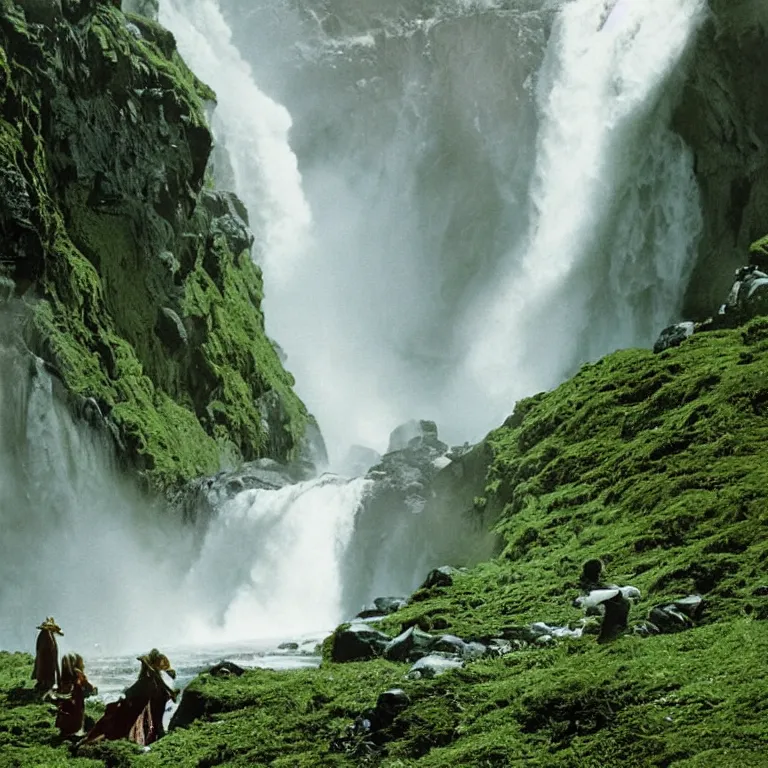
723 116
135 273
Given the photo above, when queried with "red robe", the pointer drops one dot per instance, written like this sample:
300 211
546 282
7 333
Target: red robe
46 669
70 717
138 716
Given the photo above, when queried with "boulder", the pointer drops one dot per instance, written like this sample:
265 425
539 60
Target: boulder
673 336
226 669
434 665
288 647
389 605
358 642
409 646
440 577
678 615
401 437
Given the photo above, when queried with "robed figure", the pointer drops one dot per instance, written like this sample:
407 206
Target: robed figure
138 715
46 669
74 688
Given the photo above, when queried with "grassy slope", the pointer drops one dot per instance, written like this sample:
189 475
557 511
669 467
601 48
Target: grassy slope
658 465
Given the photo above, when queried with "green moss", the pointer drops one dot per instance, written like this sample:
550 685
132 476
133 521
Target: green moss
27 735
657 464
679 700
760 246
106 142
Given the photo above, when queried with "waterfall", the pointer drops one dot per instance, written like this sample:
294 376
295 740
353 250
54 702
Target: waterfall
616 214
496 195
78 542
254 129
120 573
270 564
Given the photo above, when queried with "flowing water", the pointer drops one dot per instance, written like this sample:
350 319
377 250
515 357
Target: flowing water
483 194
455 204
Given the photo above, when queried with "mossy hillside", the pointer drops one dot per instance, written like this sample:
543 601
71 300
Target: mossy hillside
692 699
657 464
27 735
105 146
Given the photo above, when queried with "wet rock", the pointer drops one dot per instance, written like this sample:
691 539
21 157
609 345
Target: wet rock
673 336
288 647
7 289
748 297
226 669
449 644
313 455
389 528
400 438
498 646
440 577
358 642
389 605
409 646
170 330
199 500
433 666
678 615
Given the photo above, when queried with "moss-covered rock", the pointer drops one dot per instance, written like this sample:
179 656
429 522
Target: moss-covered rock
147 299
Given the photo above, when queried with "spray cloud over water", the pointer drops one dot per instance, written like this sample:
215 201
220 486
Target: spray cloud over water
615 204
495 193
78 542
122 574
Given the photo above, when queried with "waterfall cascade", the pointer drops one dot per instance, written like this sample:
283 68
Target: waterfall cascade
474 198
496 195
80 543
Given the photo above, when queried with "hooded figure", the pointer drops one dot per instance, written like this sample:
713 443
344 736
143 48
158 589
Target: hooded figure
46 669
138 715
74 688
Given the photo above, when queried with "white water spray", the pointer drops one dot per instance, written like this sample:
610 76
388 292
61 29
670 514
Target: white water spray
254 129
78 542
616 212
270 564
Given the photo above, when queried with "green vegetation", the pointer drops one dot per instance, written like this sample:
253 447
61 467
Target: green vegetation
654 463
104 146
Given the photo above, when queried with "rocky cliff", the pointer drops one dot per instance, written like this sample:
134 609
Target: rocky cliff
723 116
134 272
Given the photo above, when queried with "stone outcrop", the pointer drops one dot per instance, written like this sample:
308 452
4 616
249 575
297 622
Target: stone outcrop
723 117
136 275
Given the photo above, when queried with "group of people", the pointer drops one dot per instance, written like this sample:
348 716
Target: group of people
137 715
